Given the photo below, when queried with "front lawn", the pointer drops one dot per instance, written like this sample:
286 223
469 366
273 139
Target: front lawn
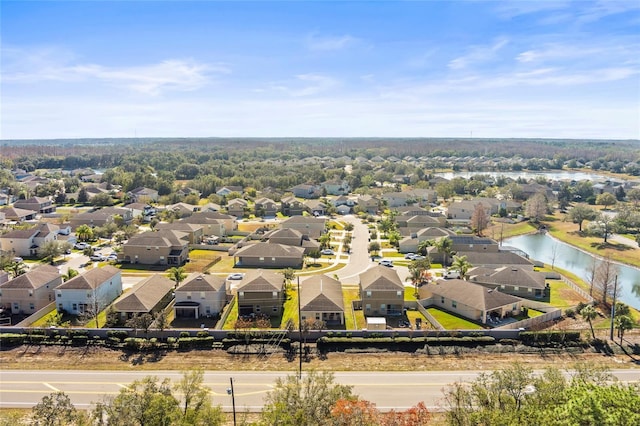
451 321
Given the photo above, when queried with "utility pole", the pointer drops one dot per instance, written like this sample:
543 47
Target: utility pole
233 400
613 306
300 334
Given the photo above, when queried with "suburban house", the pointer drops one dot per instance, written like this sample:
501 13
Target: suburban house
321 300
381 292
32 291
18 215
369 204
215 224
184 191
336 187
397 199
291 206
315 207
182 209
313 227
101 217
533 188
149 296
496 259
90 292
463 210
195 232
291 237
410 244
143 195
237 207
200 295
473 243
513 280
268 255
37 204
424 197
472 301
408 225
156 248
226 190
306 191
261 293
265 207
26 242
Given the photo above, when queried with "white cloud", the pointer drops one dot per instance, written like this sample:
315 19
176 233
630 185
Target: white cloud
478 54
330 43
307 85
45 65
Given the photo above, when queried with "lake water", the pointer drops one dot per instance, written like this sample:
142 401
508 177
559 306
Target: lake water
551 175
540 247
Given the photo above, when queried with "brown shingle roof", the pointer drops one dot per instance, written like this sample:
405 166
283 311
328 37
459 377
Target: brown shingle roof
512 275
380 278
91 279
469 294
35 278
262 280
202 282
145 295
321 293
271 250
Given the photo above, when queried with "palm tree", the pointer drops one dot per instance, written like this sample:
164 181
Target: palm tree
16 268
70 274
623 323
589 313
84 232
423 246
445 246
177 274
461 264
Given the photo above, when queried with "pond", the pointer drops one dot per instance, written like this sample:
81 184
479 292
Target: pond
541 246
550 175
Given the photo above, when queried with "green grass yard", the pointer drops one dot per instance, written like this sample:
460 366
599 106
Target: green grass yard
452 322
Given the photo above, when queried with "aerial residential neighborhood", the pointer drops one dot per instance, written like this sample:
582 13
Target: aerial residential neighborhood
320 213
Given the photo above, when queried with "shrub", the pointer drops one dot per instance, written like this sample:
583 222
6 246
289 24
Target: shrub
120 335
12 339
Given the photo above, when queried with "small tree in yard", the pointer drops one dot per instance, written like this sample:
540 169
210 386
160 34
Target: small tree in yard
54 410
622 324
581 212
536 207
374 247
479 219
589 313
606 199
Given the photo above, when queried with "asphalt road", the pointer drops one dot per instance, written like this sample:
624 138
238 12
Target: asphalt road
397 390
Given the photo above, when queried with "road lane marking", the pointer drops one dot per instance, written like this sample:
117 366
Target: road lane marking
51 387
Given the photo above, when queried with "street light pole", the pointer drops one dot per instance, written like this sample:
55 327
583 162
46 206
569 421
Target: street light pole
233 400
613 306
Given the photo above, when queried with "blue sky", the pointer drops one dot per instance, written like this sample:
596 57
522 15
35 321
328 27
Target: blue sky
345 69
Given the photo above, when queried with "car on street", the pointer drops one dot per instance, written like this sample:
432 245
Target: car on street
409 256
97 257
112 256
327 252
236 276
387 263
80 246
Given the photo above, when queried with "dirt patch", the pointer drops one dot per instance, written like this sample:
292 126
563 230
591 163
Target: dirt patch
33 357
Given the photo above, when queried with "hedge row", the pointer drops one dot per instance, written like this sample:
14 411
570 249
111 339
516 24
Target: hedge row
549 338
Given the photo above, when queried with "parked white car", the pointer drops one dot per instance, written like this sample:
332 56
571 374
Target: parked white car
451 274
387 263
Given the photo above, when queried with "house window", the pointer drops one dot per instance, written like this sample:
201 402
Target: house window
257 308
441 299
502 286
516 288
275 294
202 295
454 304
241 293
368 294
32 306
399 293
262 259
275 309
383 307
368 307
74 307
88 295
189 295
514 307
59 294
16 306
60 307
529 290
30 293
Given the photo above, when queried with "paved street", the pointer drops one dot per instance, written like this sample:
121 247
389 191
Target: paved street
398 390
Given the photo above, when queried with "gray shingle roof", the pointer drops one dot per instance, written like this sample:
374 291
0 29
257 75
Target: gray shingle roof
202 282
271 250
